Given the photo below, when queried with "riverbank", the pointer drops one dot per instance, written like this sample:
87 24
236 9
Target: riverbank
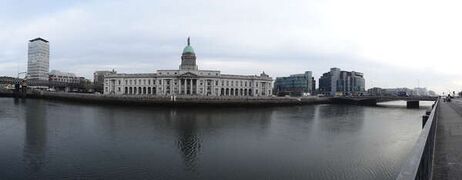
174 100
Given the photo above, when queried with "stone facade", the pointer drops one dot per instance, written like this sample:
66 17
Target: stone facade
188 80
98 79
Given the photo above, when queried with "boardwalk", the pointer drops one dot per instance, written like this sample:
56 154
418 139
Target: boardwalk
448 148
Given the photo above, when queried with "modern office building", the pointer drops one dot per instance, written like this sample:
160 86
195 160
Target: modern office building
375 91
294 85
313 86
38 59
188 80
339 83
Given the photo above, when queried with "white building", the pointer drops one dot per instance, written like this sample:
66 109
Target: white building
38 59
188 80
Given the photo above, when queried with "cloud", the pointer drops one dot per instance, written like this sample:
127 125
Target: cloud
394 43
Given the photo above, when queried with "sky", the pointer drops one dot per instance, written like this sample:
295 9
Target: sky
395 43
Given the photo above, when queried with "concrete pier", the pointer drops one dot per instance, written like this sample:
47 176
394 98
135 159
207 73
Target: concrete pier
179 100
412 104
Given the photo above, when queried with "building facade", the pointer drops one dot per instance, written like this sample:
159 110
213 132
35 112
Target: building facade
38 62
98 79
188 80
294 85
58 76
340 83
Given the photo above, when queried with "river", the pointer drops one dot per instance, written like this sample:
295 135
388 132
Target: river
42 139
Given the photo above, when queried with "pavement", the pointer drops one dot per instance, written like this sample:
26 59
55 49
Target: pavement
447 162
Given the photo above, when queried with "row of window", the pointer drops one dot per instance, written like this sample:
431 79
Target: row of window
209 82
223 91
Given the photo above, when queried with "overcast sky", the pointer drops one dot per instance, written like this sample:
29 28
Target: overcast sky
395 43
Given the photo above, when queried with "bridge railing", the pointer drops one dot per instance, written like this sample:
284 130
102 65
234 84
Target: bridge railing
420 163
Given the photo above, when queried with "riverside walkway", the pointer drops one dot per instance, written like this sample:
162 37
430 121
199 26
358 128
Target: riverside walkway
447 162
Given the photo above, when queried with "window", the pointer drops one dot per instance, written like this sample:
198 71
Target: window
119 89
119 84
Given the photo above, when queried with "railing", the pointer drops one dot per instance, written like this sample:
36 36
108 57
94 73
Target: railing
419 165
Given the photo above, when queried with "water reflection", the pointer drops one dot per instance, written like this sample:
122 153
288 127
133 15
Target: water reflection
35 137
340 118
188 141
122 142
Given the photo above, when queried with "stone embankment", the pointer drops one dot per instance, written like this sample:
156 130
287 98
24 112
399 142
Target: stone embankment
176 100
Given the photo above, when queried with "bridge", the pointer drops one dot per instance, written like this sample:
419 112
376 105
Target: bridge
437 152
411 101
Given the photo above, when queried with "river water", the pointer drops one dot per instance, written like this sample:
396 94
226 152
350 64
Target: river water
41 139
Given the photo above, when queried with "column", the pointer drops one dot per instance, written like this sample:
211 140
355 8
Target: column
179 86
191 86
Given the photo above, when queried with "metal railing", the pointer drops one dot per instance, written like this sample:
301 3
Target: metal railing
420 164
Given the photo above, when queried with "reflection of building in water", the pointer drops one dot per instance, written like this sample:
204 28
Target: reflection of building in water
188 141
35 137
340 118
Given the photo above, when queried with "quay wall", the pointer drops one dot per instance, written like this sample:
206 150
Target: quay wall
175 100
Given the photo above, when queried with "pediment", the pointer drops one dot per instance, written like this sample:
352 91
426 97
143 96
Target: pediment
188 74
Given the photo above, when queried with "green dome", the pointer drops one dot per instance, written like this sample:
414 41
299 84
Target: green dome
188 49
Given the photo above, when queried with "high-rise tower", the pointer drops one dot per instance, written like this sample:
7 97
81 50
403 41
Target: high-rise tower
38 63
